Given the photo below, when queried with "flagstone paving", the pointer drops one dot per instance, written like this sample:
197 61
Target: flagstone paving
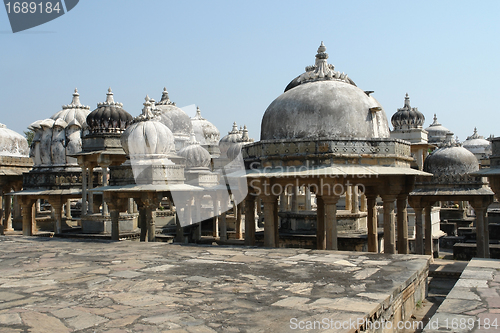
62 285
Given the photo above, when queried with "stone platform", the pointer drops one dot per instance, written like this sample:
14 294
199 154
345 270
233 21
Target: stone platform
62 285
473 305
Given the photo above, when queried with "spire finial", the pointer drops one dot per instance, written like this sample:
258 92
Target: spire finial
407 102
109 96
235 129
198 113
76 98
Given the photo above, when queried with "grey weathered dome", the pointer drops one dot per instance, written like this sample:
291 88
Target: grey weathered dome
229 140
407 117
12 143
147 136
173 117
196 156
109 117
75 110
205 132
324 104
437 132
477 144
451 161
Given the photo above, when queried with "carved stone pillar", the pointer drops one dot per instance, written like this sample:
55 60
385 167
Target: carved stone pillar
7 222
84 187
402 220
363 202
372 223
308 199
215 200
389 225
29 222
419 231
56 202
295 199
348 197
250 219
428 230
90 208
238 225
355 200
330 204
223 219
480 206
68 209
104 168
320 223
269 203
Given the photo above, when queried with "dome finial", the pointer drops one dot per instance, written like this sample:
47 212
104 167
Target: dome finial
407 101
165 100
235 129
76 98
198 113
109 96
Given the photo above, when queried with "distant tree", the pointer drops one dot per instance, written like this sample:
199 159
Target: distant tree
29 134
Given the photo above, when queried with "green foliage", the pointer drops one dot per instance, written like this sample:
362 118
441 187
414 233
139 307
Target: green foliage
29 134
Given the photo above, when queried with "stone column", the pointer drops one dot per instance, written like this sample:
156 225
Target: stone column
7 222
482 233
283 199
90 208
348 201
295 199
115 223
150 221
29 223
308 199
389 225
250 219
84 189
402 220
419 231
363 202
276 223
372 223
197 216
223 219
68 209
330 204
355 200
320 223
130 208
238 225
104 168
428 230
269 221
143 223
215 200
56 203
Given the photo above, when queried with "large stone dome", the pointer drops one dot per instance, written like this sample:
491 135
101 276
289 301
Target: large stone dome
437 132
205 132
75 110
196 156
147 137
173 116
477 145
407 117
12 143
322 103
229 140
451 161
109 117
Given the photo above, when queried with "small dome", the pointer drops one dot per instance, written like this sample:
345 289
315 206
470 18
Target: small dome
75 110
173 117
205 132
12 143
437 132
147 136
109 117
407 117
477 144
196 156
229 140
451 161
321 104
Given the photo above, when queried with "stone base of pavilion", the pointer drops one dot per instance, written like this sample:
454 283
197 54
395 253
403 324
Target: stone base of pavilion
101 224
240 288
472 305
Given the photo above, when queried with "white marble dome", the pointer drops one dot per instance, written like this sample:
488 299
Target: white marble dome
437 132
205 132
147 136
75 110
451 161
477 145
229 140
196 156
12 143
322 103
173 117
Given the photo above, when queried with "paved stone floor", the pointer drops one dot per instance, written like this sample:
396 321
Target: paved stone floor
473 305
61 285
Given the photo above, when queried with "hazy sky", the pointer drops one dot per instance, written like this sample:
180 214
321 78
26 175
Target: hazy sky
233 58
